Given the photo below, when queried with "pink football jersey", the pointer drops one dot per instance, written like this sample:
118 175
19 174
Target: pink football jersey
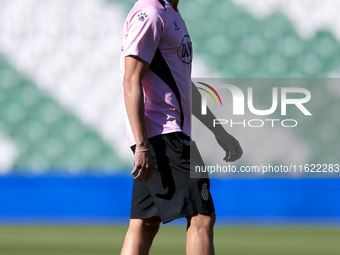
156 33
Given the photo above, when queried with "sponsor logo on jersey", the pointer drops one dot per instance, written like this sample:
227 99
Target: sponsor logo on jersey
184 51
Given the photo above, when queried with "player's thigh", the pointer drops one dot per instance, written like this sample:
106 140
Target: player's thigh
150 225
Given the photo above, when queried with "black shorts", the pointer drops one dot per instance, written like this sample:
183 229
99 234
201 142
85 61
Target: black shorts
171 193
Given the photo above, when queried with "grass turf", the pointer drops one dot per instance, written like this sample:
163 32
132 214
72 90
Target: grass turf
99 240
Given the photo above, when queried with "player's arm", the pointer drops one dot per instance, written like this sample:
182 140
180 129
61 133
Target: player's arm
226 141
135 70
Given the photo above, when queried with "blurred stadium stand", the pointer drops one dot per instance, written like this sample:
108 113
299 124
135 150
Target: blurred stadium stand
47 135
61 106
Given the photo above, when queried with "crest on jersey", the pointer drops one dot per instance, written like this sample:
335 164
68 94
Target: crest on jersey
184 51
142 16
205 192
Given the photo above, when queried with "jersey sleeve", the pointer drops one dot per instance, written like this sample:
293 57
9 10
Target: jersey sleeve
144 30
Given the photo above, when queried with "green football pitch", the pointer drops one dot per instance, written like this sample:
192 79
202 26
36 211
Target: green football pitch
100 240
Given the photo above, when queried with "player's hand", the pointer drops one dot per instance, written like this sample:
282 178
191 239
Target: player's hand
143 168
230 145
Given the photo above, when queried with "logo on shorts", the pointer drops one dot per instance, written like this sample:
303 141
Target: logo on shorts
205 192
142 16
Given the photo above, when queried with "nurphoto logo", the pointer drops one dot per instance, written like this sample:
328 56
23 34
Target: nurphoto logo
239 99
